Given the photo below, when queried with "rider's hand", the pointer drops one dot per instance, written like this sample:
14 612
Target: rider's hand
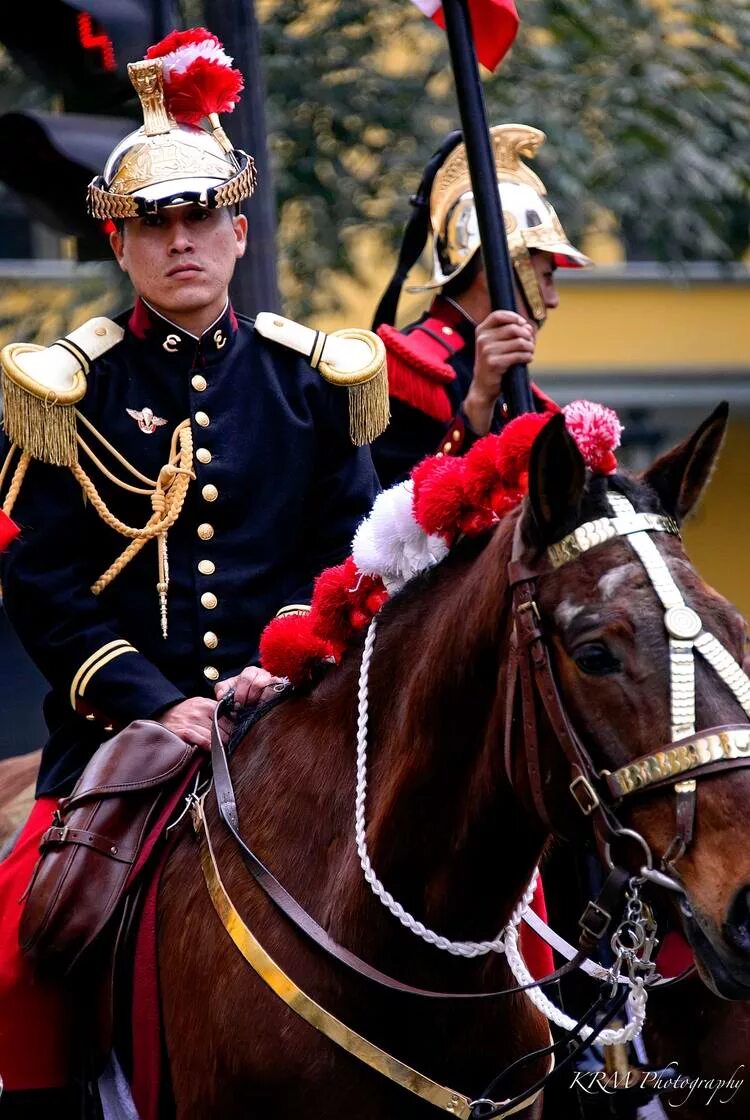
250 687
502 339
190 720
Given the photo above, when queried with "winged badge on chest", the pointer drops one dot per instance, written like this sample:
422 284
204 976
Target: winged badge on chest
146 420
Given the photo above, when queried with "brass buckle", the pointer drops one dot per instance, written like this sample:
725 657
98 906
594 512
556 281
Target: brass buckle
595 920
584 794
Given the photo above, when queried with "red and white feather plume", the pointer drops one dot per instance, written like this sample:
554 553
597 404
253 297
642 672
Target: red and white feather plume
199 78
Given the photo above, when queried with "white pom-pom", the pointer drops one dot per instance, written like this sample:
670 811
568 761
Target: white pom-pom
391 544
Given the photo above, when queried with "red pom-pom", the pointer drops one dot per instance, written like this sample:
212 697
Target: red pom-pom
8 531
597 430
439 497
289 647
344 601
177 39
514 450
485 478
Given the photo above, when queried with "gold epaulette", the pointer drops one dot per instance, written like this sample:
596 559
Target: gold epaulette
42 385
351 357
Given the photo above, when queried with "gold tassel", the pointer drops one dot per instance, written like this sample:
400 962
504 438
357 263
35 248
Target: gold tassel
369 409
44 429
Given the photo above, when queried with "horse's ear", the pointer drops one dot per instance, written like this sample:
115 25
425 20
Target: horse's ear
680 476
557 474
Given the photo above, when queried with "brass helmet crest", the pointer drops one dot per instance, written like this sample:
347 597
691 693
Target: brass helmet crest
530 219
184 82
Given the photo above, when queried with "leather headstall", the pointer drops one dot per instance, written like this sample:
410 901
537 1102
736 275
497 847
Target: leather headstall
687 758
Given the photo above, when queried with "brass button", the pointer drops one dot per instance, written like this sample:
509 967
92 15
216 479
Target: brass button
209 492
211 672
203 455
447 330
456 434
206 567
205 531
199 383
447 446
210 640
209 600
202 419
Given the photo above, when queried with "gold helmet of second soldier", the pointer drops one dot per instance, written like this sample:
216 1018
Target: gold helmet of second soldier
530 219
181 154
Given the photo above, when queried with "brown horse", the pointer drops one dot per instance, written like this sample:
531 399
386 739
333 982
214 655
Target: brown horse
451 836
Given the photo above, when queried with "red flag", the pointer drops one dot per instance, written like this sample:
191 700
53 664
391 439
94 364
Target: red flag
495 23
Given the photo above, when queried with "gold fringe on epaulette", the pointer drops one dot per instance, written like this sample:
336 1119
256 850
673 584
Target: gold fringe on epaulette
41 427
369 408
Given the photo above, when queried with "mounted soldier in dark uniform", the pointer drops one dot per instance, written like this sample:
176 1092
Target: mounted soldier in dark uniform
445 370
176 478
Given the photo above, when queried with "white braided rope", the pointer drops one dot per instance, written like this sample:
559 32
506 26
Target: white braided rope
636 1002
457 948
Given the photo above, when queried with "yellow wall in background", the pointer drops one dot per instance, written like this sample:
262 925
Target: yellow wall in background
717 538
607 324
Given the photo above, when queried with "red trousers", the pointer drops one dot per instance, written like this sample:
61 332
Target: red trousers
35 1028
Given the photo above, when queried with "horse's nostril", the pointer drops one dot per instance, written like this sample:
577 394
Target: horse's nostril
737 927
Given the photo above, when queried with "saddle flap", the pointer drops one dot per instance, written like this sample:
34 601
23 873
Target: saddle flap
141 756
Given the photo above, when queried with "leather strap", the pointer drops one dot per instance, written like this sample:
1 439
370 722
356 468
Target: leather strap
304 922
61 834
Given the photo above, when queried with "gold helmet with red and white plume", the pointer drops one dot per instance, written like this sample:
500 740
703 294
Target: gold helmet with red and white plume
181 154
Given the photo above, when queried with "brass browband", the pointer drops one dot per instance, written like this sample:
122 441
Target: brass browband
707 748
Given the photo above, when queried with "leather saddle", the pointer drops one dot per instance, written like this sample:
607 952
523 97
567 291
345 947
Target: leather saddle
92 852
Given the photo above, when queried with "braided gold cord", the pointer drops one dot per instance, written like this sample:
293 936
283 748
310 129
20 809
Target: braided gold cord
18 477
115 453
6 465
167 500
103 205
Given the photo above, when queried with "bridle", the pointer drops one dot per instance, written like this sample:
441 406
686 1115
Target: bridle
597 794
689 756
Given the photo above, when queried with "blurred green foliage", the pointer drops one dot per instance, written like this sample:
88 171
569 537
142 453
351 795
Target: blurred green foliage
644 102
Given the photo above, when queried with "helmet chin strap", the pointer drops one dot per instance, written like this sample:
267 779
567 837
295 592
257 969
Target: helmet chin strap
528 285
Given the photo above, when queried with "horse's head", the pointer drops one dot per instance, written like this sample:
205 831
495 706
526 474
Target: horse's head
645 655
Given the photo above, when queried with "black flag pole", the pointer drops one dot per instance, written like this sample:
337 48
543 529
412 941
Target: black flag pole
473 112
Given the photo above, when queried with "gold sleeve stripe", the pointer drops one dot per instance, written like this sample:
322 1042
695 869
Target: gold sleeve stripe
293 608
92 664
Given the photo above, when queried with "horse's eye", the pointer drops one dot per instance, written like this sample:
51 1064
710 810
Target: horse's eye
595 659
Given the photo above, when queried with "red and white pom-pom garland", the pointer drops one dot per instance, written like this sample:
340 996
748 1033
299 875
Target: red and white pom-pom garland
412 526
199 78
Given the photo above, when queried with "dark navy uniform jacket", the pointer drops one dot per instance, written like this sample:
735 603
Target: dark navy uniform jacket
279 492
430 367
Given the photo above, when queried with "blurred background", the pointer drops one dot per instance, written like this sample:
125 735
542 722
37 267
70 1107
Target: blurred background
645 106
